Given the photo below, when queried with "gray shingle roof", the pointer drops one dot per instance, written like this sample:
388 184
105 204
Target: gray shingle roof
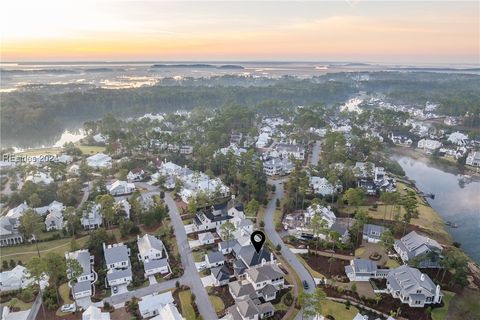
221 273
148 242
215 256
156 263
116 254
265 273
409 280
117 274
82 286
364 266
251 257
242 288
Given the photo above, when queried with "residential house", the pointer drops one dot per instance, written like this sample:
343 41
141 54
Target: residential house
211 218
120 187
233 148
94 313
247 309
17 212
247 257
82 285
153 254
277 166
146 201
323 187
118 264
136 174
373 232
417 246
55 206
150 305
429 145
400 139
40 178
236 137
361 270
266 280
9 234
206 238
325 213
286 150
413 287
91 216
263 140
15 279
123 206
458 138
168 311
99 161
221 275
473 159
54 221
214 259
186 149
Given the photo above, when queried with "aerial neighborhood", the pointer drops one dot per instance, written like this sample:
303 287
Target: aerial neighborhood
152 217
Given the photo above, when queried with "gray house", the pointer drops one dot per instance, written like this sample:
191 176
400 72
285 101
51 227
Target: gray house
413 287
417 246
373 232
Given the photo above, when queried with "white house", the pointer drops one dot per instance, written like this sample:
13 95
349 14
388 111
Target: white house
150 305
17 212
458 138
186 149
206 238
413 287
473 159
9 234
136 174
118 264
372 232
363 270
322 186
94 313
325 213
99 161
91 216
153 254
40 178
82 286
286 150
414 245
120 187
168 311
54 221
277 166
15 279
214 259
266 280
428 144
263 140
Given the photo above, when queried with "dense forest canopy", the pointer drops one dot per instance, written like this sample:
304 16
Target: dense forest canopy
37 113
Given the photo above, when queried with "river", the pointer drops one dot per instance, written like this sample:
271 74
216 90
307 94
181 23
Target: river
454 201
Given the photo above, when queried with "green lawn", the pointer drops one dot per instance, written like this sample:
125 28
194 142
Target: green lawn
40 151
391 263
217 303
359 251
338 310
17 303
91 149
186 305
27 251
64 291
440 313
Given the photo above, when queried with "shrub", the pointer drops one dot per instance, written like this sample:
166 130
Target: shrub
288 300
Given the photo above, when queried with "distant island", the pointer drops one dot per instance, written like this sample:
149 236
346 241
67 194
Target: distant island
197 65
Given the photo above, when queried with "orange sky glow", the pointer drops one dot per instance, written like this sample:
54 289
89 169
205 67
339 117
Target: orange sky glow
167 30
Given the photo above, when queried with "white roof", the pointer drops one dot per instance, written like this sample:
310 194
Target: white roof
168 312
94 313
154 301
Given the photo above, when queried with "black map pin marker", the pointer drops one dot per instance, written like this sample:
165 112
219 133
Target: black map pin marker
258 239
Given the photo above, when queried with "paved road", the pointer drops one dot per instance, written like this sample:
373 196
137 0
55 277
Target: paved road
191 276
272 234
315 153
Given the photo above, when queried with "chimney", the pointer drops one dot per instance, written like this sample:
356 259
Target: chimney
422 277
436 299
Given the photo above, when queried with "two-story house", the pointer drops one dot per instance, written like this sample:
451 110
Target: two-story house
153 254
82 285
117 259
420 247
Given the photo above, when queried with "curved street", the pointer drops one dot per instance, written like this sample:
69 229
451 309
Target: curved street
272 234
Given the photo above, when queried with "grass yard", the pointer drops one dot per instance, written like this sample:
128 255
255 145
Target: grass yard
338 310
26 252
17 303
40 151
391 263
64 291
88 150
217 303
360 251
186 304
441 313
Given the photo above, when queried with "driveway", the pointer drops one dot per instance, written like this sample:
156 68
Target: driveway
208 281
191 276
272 234
152 279
121 289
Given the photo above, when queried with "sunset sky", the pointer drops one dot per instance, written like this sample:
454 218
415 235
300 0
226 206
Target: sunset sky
354 30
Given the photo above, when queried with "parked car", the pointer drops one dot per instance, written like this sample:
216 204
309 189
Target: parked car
305 285
68 308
